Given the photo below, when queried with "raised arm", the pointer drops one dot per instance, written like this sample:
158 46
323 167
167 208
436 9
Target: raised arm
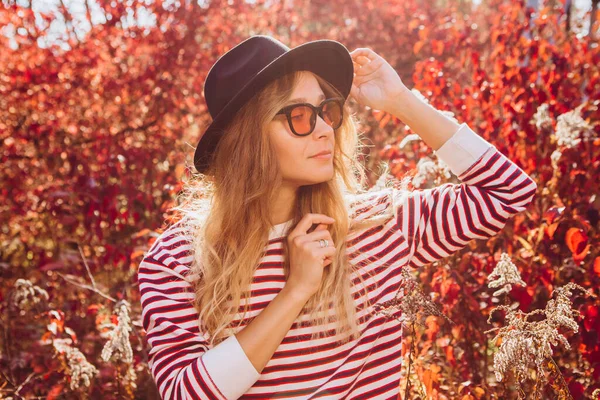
440 221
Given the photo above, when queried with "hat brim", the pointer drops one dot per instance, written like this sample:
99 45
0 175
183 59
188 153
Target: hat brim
327 58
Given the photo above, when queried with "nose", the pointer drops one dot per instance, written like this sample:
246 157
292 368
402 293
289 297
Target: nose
322 128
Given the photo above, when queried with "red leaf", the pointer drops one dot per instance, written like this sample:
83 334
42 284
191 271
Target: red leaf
576 240
550 229
597 265
55 392
93 309
449 350
432 327
580 256
553 213
590 317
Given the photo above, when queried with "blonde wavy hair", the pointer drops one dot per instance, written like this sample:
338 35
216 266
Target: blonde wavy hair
226 213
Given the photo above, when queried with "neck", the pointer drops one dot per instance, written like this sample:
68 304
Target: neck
283 206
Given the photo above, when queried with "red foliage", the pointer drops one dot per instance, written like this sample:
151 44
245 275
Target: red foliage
96 126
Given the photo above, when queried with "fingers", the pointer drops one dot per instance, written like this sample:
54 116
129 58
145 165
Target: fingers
363 56
312 241
307 222
316 246
360 61
316 235
365 61
367 68
326 252
366 52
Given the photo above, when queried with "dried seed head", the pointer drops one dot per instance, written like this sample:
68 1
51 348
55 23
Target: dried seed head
504 275
527 344
80 370
430 170
411 301
542 119
571 128
26 295
118 344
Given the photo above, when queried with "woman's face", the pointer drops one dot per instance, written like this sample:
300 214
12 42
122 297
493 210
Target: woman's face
298 167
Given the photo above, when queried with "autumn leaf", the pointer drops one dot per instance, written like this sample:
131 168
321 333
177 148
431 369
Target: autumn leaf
553 214
576 240
55 392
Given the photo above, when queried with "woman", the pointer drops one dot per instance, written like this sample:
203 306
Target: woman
242 298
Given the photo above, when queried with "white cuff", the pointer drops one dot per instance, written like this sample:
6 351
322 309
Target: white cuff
229 368
462 149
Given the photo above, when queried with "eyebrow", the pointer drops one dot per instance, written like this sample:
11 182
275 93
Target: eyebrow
302 99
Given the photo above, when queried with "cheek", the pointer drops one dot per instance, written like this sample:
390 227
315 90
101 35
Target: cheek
290 156
290 152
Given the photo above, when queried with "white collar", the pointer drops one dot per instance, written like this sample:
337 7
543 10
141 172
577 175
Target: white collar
279 230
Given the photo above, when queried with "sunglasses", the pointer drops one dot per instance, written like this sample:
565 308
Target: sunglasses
302 117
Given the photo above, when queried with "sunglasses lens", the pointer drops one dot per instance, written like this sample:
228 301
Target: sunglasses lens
302 119
332 114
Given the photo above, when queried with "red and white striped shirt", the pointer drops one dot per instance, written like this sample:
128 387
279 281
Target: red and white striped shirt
430 224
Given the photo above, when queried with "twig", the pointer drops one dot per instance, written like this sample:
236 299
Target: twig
7 378
87 267
87 287
69 21
25 383
412 342
554 370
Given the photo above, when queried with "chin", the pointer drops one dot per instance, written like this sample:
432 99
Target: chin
320 176
314 178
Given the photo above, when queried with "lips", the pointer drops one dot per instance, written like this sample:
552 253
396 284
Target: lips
321 153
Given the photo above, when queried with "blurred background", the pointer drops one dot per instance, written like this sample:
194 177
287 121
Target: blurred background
101 106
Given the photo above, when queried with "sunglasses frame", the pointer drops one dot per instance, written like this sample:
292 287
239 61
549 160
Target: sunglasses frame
287 111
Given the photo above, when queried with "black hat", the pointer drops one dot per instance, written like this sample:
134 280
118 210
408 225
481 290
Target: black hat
250 65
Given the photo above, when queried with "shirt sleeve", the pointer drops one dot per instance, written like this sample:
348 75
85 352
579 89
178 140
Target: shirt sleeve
440 221
180 359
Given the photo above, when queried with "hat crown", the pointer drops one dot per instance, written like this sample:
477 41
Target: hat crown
238 66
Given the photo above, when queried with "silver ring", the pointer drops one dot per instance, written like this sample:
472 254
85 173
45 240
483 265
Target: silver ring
321 242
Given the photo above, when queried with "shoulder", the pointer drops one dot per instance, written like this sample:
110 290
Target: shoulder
174 241
171 251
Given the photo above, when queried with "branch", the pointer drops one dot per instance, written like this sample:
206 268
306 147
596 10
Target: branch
25 382
87 267
83 286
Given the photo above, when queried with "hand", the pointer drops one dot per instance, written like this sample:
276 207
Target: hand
376 84
307 257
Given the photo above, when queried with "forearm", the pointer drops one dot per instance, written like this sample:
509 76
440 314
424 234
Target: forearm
442 220
261 337
426 121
